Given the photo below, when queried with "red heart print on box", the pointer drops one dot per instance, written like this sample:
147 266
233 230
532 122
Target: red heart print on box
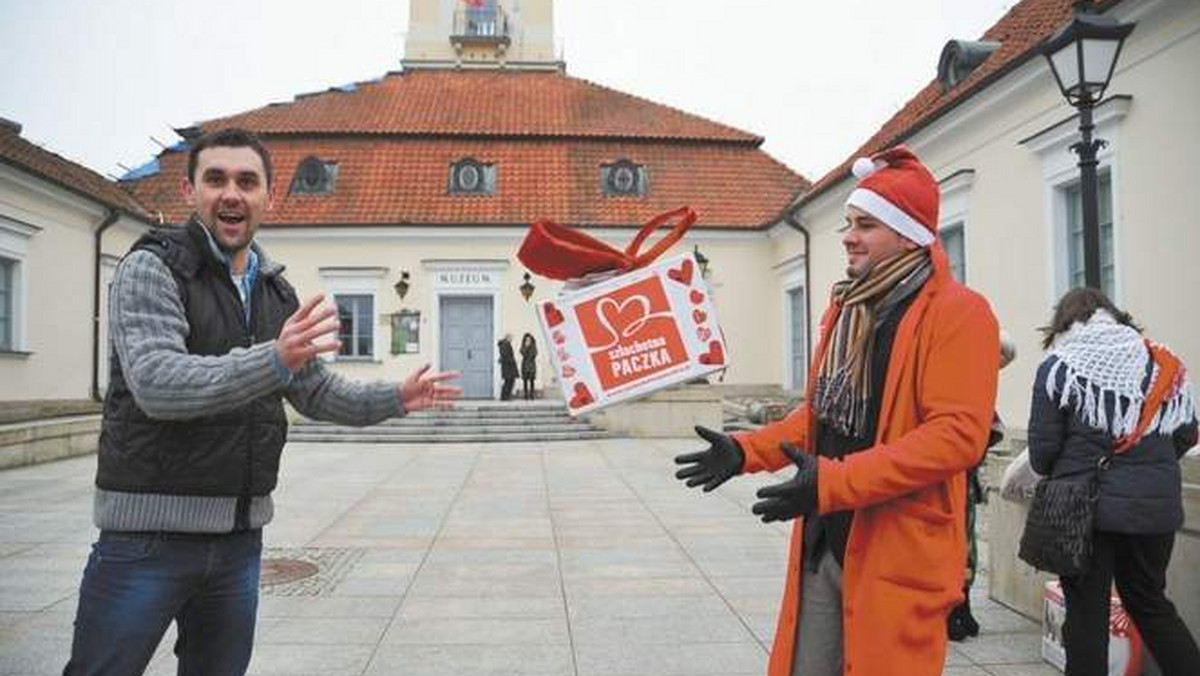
553 316
568 371
703 333
583 396
715 354
699 315
696 297
559 338
682 274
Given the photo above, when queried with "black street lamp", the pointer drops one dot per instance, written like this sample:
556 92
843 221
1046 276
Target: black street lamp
1082 56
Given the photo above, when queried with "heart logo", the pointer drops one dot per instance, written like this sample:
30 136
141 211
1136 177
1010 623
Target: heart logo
563 355
623 319
715 354
568 371
696 296
553 316
559 338
703 333
699 315
583 396
682 274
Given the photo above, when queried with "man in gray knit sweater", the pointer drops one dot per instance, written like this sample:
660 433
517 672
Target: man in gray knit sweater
208 339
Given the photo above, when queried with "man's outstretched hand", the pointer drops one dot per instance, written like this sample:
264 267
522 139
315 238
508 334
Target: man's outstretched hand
310 331
422 390
796 496
712 467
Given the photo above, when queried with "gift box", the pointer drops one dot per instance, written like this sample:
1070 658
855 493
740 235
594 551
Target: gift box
1126 656
633 334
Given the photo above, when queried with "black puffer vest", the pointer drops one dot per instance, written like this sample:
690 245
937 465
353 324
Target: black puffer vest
235 453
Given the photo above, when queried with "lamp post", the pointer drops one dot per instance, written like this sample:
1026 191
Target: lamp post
701 260
526 287
1082 56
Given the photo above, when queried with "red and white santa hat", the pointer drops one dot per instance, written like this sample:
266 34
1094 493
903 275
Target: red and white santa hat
896 188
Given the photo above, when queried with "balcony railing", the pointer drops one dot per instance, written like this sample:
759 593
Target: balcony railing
480 24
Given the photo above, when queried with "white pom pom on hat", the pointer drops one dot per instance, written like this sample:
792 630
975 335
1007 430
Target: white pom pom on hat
864 167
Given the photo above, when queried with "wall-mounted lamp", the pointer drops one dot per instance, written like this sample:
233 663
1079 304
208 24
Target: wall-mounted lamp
401 286
701 260
527 287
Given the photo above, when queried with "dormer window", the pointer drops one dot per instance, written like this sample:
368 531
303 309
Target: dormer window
314 177
960 58
469 176
623 178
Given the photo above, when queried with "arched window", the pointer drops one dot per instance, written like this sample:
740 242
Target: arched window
472 177
314 177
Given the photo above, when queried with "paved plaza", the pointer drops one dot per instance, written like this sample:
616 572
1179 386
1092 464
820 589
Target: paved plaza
580 558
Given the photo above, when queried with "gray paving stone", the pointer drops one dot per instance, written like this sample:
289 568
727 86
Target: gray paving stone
475 631
989 649
671 659
443 607
307 659
326 630
715 627
472 660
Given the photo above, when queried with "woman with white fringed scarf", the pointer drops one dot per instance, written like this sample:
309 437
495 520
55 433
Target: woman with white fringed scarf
1088 393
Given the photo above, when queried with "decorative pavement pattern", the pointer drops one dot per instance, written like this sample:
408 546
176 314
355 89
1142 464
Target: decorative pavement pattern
577 558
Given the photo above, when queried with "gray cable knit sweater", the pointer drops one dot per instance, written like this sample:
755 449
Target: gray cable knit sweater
148 330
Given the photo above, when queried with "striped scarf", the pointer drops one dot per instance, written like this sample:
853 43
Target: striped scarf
842 393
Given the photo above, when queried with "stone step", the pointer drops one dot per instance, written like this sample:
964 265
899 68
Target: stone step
447 437
415 428
426 421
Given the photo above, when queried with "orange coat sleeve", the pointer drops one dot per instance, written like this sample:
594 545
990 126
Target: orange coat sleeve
762 445
948 404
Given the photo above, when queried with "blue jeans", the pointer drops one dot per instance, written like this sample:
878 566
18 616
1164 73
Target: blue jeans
136 583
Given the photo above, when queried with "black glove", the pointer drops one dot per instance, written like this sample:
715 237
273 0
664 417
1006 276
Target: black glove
796 496
713 467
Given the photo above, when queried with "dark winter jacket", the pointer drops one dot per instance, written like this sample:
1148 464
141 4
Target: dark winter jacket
1140 492
508 360
529 361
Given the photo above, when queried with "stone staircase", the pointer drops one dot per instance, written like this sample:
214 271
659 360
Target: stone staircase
469 421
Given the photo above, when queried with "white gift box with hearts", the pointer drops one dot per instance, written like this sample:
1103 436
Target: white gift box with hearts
1126 655
633 334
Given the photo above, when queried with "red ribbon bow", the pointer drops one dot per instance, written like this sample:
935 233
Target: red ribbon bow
561 252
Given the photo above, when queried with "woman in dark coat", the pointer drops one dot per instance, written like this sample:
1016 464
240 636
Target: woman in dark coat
528 363
1089 391
508 367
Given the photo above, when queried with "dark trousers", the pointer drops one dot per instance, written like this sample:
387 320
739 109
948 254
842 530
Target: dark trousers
528 387
506 388
135 585
1138 563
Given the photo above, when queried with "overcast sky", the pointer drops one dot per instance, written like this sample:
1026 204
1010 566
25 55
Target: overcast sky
93 80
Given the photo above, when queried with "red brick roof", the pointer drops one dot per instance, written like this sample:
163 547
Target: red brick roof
405 181
473 103
548 134
48 166
1020 32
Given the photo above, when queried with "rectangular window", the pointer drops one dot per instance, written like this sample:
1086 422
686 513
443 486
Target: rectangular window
952 242
1074 201
8 269
356 330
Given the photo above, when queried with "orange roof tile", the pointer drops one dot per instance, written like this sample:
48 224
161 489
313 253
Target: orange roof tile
48 166
485 102
388 181
1020 33
395 139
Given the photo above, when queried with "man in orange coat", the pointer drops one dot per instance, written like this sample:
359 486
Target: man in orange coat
902 391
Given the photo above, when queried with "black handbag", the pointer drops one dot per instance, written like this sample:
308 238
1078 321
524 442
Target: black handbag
1058 530
1059 527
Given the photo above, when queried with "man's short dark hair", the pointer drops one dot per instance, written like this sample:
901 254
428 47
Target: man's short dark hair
230 137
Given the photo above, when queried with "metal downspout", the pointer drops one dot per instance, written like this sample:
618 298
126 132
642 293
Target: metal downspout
109 219
790 219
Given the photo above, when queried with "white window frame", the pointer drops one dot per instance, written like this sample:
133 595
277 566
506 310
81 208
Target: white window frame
1060 171
791 277
365 281
14 246
955 210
